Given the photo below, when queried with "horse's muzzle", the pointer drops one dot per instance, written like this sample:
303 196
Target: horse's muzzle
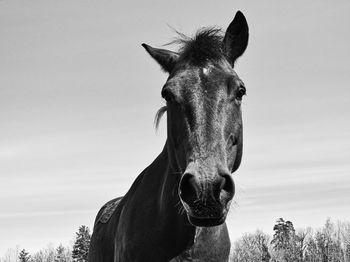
206 202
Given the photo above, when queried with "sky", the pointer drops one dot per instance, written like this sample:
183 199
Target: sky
78 95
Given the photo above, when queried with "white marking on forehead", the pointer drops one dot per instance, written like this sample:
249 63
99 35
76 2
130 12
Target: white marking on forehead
223 65
206 70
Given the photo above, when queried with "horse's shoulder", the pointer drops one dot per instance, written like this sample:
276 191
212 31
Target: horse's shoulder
107 210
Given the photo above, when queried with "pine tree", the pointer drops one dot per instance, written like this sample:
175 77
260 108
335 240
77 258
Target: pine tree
283 241
24 256
81 246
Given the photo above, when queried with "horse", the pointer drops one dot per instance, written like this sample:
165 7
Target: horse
176 208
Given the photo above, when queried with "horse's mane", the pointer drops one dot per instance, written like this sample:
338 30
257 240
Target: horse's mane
198 50
159 115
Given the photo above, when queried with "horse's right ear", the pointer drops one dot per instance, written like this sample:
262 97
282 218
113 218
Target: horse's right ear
165 58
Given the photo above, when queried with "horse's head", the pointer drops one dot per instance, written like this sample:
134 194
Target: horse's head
203 95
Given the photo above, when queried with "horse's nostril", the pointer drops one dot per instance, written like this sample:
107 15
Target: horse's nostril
188 188
228 186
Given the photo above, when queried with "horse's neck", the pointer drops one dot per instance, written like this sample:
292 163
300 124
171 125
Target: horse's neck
160 185
161 181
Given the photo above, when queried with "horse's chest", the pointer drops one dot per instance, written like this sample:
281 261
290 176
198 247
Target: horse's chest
210 245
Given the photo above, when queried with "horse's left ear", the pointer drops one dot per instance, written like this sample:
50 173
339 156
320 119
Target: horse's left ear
165 58
236 38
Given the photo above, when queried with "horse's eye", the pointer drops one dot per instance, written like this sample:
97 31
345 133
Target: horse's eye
240 92
167 95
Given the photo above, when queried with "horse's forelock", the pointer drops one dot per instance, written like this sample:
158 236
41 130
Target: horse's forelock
204 46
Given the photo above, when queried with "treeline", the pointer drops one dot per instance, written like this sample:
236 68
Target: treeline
77 253
331 243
